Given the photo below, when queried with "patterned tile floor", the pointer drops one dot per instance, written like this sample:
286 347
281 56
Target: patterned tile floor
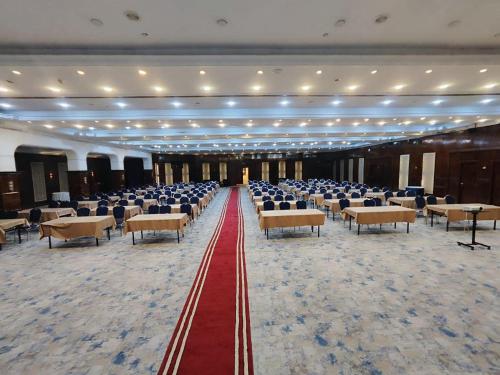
381 303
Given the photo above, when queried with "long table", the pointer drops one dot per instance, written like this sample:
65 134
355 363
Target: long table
66 228
49 213
334 206
381 215
156 222
10 224
290 218
409 202
130 211
259 206
455 212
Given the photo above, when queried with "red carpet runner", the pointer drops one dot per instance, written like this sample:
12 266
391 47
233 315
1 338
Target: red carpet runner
212 335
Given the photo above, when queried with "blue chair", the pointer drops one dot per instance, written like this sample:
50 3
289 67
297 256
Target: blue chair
93 197
431 199
177 195
376 189
34 219
335 191
257 193
187 209
284 205
101 211
388 194
83 211
266 198
343 203
363 191
139 202
369 203
102 202
268 206
153 209
378 202
123 202
119 215
401 193
289 197
278 198
148 196
194 200
73 205
449 199
411 193
156 196
340 195
165 209
171 200
327 196
132 197
355 194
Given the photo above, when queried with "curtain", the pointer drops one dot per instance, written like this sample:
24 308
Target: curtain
298 170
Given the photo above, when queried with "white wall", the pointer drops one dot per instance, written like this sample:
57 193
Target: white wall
361 170
428 167
404 169
76 151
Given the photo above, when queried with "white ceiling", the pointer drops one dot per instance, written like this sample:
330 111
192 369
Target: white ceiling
251 23
432 66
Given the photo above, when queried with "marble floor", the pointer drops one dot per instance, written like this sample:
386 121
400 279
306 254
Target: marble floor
379 303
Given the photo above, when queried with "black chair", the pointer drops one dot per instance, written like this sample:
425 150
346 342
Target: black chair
378 201
284 205
148 196
363 191
80 198
268 206
35 216
420 205
187 209
385 188
194 200
388 194
327 196
335 191
165 209
355 195
53 204
101 211
401 193
156 196
431 199
449 199
343 203
257 193
171 200
266 198
119 215
123 202
369 203
278 198
177 196
139 202
153 209
102 202
289 197
184 200
73 205
340 195
376 190
411 193
83 211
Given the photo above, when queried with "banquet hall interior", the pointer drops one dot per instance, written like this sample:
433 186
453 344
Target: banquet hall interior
249 187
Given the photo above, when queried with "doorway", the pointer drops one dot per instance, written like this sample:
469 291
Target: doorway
245 176
468 181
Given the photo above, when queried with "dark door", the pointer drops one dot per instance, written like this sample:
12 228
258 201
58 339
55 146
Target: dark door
468 182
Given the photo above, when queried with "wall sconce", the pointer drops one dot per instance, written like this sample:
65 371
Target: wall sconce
11 185
92 173
51 175
85 180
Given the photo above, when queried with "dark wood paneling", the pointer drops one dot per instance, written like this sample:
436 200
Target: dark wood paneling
78 183
99 169
10 190
134 171
117 179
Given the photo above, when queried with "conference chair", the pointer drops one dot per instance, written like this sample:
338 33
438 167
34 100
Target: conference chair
369 203
101 211
378 202
139 202
184 200
376 189
165 209
449 199
153 209
64 204
132 197
268 206
278 198
123 202
187 209
343 203
93 197
83 211
363 191
119 215
194 200
355 195
284 205
53 204
102 202
431 199
388 194
289 197
34 219
401 193
340 195
171 200
148 196
420 205
411 193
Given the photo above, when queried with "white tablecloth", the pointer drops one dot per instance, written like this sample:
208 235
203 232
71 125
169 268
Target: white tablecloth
60 196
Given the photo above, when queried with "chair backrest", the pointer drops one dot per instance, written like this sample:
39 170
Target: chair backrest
289 197
385 188
449 199
343 203
53 204
419 202
431 199
186 208
363 191
101 211
388 194
312 191
83 211
156 196
171 200
340 195
102 202
327 196
411 193
153 209
73 205
184 200
35 215
401 193
268 205
119 212
266 198
271 192
148 196
322 191
93 197
123 202
378 201
139 202
284 205
165 209
376 189
369 203
278 198
9 215
301 205
64 204
347 188
132 197
280 192
355 194
194 200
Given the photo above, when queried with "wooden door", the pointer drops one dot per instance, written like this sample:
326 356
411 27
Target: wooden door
468 182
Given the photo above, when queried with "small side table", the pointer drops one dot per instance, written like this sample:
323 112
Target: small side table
474 211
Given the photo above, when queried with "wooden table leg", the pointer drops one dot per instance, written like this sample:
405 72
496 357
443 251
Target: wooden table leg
178 238
97 241
50 242
133 239
408 227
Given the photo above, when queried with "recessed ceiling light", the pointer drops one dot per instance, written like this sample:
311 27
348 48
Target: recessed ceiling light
16 72
381 123
352 87
79 126
422 118
482 120
80 72
64 105
387 102
142 72
444 86
127 127
484 70
138 125
107 88
5 105
249 124
276 124
305 87
121 104
109 126
399 86
381 18
91 128
355 123
329 123
177 104
284 102
428 71
457 121
231 103
490 85
318 72
221 124
337 102
48 126
54 89
302 124
260 72
4 89
337 120
433 122
206 88
437 102
165 125
202 72
158 88
256 87
375 71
